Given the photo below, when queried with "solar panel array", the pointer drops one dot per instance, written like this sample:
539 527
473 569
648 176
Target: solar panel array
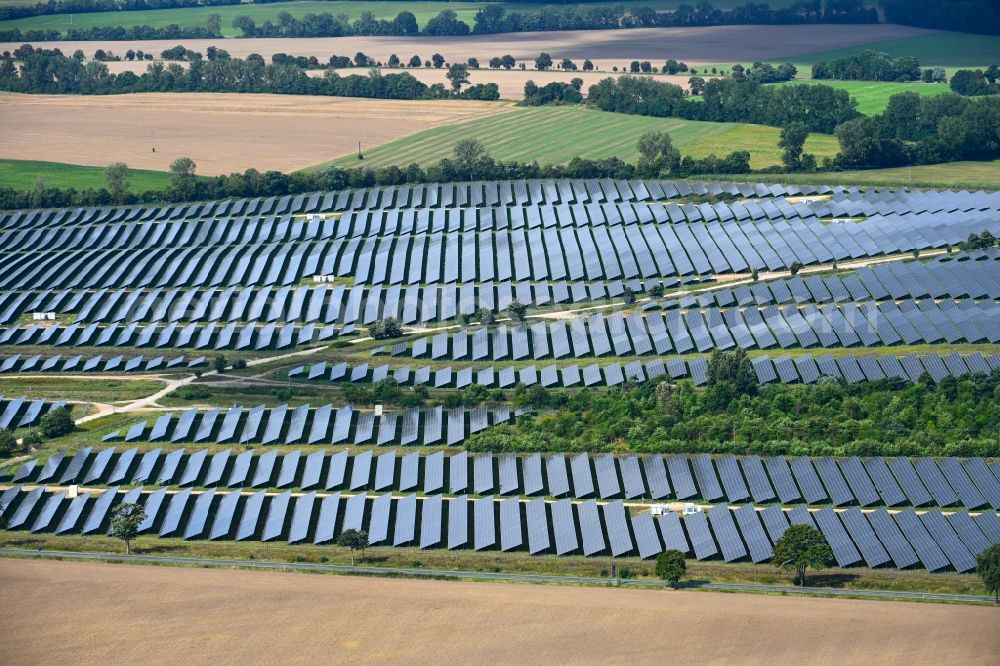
38 363
307 425
851 481
932 540
802 368
24 412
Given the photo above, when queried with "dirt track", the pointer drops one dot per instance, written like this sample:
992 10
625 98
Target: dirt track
97 613
220 132
607 48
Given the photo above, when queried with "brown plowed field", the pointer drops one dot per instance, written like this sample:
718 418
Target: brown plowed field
607 48
101 613
222 133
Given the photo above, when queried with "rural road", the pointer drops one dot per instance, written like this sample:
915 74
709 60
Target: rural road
480 575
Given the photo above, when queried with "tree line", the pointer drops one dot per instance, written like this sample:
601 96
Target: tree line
870 66
470 161
820 107
976 82
733 414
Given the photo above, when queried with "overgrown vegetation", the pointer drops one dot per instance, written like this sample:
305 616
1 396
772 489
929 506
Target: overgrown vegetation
959 416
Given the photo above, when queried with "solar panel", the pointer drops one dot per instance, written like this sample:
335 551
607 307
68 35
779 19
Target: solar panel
583 480
680 476
844 551
944 535
858 480
619 538
927 549
808 480
175 511
404 530
708 481
431 521
199 515
511 529
361 470
864 538
557 475
753 534
458 522
892 538
484 533
326 522
225 514
590 528
701 538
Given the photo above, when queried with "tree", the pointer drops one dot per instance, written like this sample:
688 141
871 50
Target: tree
696 85
657 154
517 310
438 60
125 521
730 375
507 61
485 316
543 61
8 443
588 66
791 141
57 423
795 267
473 63
458 75
117 176
182 178
671 566
469 155
353 540
415 61
495 62
801 546
219 363
387 328
628 295
988 568
393 60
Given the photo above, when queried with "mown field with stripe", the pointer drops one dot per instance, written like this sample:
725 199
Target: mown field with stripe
555 135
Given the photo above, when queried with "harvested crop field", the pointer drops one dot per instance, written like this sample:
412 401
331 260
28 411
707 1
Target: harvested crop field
220 132
607 48
100 613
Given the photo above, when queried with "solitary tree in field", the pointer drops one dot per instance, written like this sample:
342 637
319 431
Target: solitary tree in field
988 568
543 61
671 566
353 540
801 546
125 521
458 75
117 175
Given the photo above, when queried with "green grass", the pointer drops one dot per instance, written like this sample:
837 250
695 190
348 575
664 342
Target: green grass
80 388
196 16
944 49
873 96
952 175
23 174
554 135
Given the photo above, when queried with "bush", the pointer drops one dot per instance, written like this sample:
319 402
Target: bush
57 423
193 392
385 329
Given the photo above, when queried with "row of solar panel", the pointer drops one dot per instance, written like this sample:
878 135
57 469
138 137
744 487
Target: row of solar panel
315 304
323 304
471 194
784 369
972 482
958 277
244 229
307 425
695 331
237 337
592 253
932 540
490 194
24 412
58 363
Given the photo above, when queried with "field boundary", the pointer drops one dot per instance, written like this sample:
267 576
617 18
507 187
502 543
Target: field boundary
442 574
